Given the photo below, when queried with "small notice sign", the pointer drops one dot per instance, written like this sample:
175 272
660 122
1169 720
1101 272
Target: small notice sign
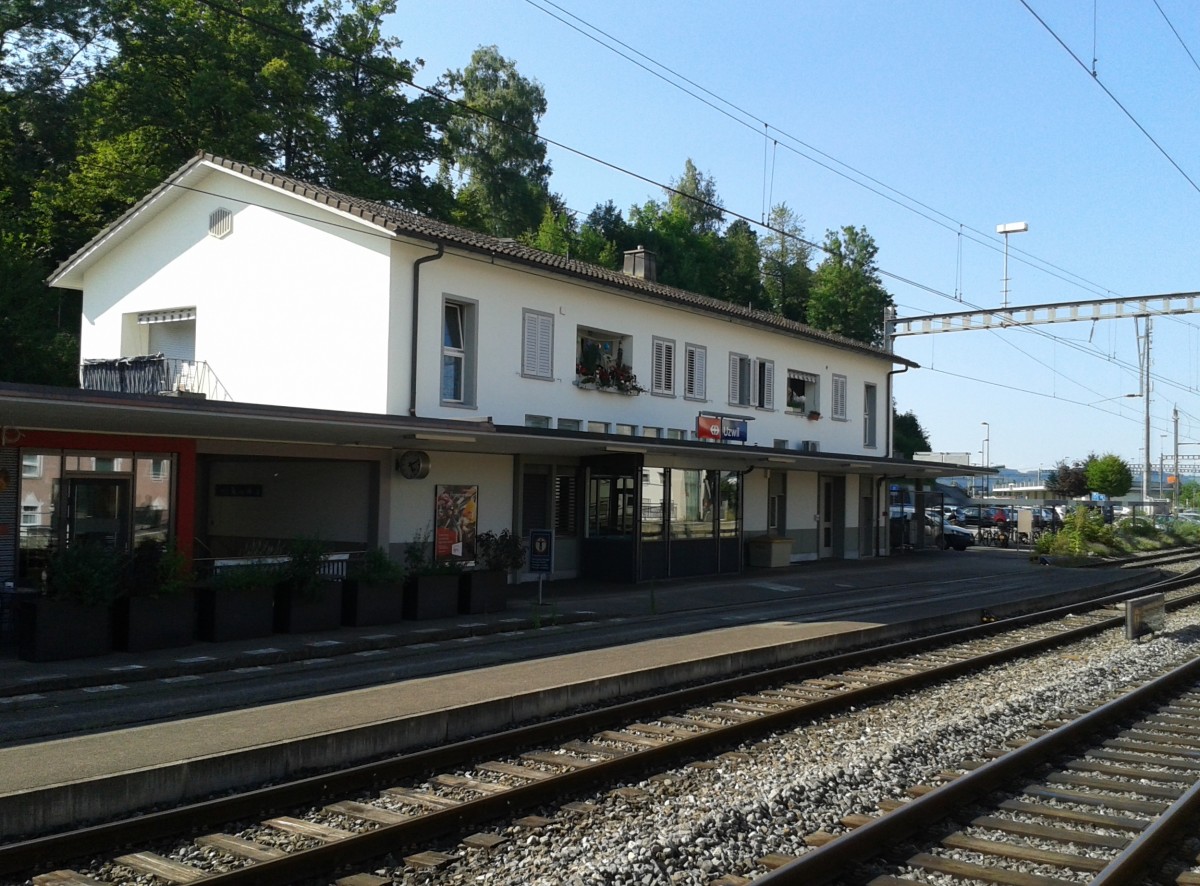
541 550
1145 615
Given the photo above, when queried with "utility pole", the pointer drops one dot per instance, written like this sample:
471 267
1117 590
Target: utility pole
1146 424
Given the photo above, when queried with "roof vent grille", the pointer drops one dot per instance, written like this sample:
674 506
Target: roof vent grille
220 223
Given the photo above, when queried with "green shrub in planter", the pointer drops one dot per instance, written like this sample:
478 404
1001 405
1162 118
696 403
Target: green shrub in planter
157 607
73 618
306 600
373 592
239 602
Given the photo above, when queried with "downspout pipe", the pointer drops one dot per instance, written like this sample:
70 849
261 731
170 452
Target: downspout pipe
416 314
891 418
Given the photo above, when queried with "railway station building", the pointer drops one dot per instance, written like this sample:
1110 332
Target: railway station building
264 359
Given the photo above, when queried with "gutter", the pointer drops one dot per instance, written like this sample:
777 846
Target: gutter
416 310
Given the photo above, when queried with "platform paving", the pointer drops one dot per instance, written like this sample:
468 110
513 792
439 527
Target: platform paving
581 643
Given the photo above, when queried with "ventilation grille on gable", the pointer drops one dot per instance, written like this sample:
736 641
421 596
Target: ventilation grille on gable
220 223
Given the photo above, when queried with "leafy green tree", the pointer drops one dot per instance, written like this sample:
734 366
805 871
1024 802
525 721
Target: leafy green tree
847 295
554 234
786 275
375 142
907 434
694 195
1189 494
1069 480
738 274
1109 475
493 143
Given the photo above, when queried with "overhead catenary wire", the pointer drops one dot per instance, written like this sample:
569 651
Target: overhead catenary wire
463 107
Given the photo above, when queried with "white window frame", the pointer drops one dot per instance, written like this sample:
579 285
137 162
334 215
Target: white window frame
694 372
840 386
870 415
662 367
812 392
465 352
764 384
759 378
537 345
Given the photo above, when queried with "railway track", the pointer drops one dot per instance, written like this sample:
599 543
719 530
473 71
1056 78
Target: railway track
1123 787
370 812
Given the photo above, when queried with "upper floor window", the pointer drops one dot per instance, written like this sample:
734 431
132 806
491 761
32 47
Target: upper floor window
458 353
663 367
839 397
803 391
751 382
537 348
600 361
694 387
870 408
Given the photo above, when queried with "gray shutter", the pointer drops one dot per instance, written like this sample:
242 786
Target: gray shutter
735 365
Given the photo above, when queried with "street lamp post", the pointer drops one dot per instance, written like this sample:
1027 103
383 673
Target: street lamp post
1006 229
987 456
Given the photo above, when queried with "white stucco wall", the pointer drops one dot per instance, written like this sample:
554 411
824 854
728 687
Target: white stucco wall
412 501
499 294
291 307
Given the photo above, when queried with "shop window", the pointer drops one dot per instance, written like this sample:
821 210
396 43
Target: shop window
654 502
31 465
565 505
692 491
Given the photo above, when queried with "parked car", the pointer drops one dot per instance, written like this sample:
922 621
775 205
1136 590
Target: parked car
939 532
947 535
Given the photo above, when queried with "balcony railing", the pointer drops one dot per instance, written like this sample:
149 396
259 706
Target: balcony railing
152 374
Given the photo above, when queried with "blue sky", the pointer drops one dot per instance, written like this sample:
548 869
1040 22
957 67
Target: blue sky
928 123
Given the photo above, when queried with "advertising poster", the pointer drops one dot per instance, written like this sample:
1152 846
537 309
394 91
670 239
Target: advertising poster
454 524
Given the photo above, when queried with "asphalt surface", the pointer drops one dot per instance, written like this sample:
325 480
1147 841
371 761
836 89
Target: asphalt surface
46 701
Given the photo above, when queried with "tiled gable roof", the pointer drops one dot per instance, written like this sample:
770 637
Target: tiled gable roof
402 222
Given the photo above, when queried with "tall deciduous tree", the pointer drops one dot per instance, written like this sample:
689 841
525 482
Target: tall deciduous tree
1109 475
847 295
1069 480
494 145
695 196
786 275
907 434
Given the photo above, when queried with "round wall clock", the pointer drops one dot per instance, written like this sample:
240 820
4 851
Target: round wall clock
413 465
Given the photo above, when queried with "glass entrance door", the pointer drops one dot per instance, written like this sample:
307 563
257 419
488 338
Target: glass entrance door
98 512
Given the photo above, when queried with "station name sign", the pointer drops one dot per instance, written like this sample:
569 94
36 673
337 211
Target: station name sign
728 430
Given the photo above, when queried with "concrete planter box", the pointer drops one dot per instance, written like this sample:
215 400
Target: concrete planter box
235 613
306 612
483 591
53 630
142 624
431 596
770 551
367 603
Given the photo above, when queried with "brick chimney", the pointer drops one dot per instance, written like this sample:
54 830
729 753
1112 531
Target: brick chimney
640 263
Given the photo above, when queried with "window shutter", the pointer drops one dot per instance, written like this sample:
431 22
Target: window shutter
537 349
664 367
839 396
735 365
767 395
695 373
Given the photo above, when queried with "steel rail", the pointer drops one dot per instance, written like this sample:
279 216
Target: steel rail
872 839
1130 866
53 849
